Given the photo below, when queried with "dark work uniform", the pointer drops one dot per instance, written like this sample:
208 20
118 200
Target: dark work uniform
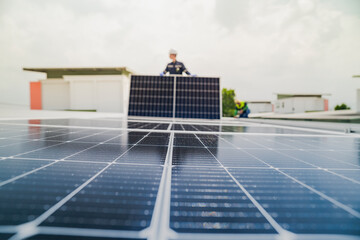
176 68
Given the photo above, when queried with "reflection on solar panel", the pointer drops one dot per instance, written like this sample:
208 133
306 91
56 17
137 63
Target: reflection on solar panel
155 96
118 179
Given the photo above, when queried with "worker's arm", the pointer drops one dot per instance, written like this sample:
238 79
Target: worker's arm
245 107
165 71
183 69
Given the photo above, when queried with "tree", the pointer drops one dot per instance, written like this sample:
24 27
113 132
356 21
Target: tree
342 107
228 102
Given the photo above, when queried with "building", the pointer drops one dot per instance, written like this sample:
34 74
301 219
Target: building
357 96
300 103
96 89
260 106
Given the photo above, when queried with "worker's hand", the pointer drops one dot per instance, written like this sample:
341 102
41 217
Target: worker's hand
161 74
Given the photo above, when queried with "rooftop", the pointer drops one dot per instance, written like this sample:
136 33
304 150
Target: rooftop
60 72
289 95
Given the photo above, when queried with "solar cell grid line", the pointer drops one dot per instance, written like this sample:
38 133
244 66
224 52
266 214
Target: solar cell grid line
122 197
21 202
27 134
62 146
350 173
306 145
332 200
334 155
29 141
270 143
297 209
280 230
340 189
91 147
24 174
321 161
276 159
29 229
325 169
97 151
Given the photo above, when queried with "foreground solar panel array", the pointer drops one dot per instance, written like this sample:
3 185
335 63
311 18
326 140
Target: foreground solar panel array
116 179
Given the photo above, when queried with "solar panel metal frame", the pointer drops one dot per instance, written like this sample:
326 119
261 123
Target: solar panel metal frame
174 97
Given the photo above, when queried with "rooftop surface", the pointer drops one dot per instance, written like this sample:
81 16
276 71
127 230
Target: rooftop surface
341 116
60 72
69 175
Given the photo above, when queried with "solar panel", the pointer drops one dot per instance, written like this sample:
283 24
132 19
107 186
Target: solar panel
119 179
151 96
155 96
197 97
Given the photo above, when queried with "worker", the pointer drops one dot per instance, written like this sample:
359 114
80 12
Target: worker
175 67
242 109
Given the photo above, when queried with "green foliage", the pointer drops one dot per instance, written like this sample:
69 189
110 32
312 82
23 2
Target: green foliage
341 107
228 102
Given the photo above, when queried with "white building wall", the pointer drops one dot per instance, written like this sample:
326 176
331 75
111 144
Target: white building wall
260 107
103 93
299 105
55 94
358 100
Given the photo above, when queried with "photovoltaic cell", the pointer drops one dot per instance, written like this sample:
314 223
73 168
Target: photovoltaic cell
10 168
144 155
121 198
101 153
151 96
193 157
197 97
59 151
23 147
231 157
332 185
207 200
28 197
350 173
294 207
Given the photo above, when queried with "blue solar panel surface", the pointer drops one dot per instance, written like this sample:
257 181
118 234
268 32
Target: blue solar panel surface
197 97
155 96
139 179
151 96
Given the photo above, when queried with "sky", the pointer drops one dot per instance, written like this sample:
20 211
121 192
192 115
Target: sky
257 47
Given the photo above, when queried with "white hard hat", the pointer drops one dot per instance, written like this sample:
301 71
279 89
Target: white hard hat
173 51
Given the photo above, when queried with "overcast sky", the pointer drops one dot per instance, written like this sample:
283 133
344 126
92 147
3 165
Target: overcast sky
256 47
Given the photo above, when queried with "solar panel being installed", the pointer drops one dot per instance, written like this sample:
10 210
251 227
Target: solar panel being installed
197 97
194 97
151 96
118 179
